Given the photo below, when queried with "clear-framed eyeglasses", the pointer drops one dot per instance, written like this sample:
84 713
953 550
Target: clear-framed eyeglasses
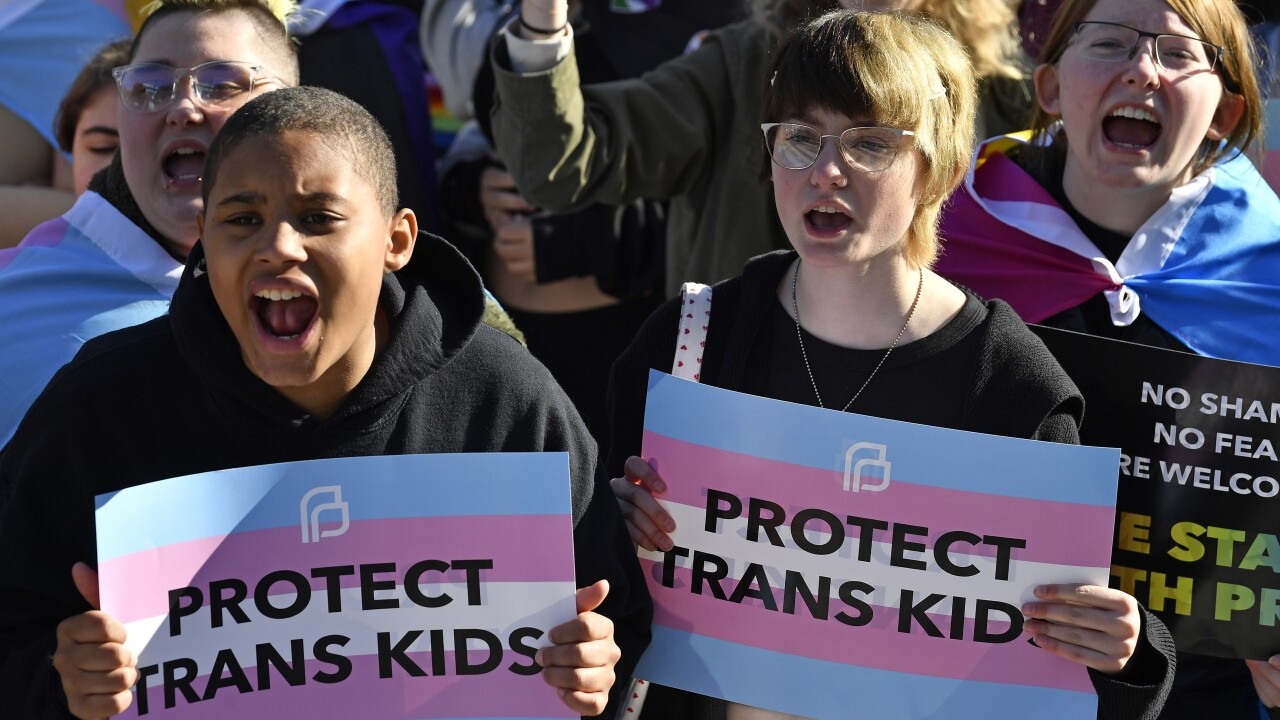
151 87
866 149
1113 42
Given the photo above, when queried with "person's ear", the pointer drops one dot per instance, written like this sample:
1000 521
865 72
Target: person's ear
402 233
1230 110
1048 89
200 224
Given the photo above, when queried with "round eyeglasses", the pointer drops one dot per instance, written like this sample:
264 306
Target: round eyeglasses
866 149
151 87
1113 42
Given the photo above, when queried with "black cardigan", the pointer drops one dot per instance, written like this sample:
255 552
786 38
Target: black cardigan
1011 386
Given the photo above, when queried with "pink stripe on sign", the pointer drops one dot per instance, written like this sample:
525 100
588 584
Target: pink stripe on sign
877 645
365 695
796 487
524 548
45 234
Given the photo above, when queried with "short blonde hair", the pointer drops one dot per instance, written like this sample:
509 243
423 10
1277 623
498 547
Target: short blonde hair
269 18
902 70
1219 22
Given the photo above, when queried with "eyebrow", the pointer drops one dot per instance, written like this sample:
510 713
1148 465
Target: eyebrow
324 197
244 198
101 129
250 198
857 122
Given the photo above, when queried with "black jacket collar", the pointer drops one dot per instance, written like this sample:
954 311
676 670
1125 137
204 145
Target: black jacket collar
435 306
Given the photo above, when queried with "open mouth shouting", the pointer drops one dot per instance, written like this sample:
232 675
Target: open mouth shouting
1132 128
826 219
183 166
284 317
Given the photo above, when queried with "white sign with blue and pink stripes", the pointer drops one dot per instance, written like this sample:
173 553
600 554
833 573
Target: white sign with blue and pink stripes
833 565
416 586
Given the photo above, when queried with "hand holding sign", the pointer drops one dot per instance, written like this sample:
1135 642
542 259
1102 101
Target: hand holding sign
96 668
647 522
1095 626
1266 680
580 663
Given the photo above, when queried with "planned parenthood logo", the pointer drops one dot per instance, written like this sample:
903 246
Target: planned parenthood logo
327 499
860 462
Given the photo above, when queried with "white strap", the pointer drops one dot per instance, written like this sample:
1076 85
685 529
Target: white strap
634 701
691 338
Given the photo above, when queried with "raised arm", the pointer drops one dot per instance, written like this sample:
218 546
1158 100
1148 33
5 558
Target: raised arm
569 146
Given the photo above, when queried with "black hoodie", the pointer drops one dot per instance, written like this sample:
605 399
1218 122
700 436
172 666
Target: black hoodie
172 397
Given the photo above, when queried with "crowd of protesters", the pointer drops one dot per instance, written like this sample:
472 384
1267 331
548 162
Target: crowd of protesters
169 306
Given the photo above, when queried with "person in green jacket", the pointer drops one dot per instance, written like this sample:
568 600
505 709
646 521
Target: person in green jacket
689 130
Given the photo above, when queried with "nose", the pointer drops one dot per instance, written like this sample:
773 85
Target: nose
830 167
280 243
185 108
1143 66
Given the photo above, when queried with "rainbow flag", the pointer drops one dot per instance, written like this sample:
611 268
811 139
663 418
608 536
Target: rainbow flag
444 126
827 561
415 586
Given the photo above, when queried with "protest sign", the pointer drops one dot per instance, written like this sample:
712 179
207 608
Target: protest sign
833 565
415 586
1197 512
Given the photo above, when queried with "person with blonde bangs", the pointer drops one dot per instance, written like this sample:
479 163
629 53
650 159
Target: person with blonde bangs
687 130
869 129
1147 109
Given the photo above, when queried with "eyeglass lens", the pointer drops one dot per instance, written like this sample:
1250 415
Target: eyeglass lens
869 149
1113 43
151 87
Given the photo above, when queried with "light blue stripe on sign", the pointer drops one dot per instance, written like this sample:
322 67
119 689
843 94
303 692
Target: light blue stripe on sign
269 496
833 691
920 454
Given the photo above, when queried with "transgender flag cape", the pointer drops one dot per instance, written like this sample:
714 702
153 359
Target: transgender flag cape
1205 267
43 45
73 278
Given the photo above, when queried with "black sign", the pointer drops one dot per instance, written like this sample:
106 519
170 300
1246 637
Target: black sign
1198 510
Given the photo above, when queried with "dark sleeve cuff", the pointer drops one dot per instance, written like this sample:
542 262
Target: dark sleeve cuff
1139 691
623 246
465 224
29 684
566 246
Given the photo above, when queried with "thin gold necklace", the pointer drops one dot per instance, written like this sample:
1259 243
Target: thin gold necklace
795 308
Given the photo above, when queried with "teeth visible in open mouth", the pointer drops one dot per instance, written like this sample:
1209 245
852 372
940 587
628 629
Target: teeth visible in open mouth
277 295
184 151
827 209
1134 114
